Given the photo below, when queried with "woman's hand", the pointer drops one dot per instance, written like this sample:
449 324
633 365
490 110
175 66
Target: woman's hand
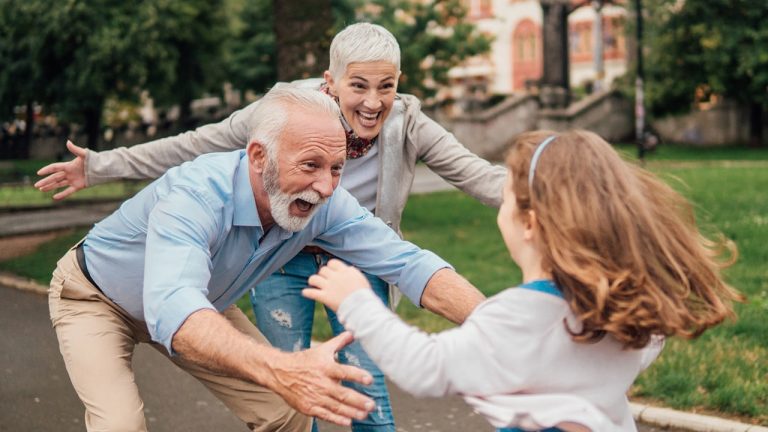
334 282
64 174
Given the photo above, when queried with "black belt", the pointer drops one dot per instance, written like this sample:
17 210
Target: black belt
315 250
80 253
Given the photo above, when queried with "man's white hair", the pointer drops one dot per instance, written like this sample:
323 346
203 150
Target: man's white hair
362 43
271 113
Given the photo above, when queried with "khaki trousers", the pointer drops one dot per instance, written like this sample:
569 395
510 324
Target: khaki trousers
97 339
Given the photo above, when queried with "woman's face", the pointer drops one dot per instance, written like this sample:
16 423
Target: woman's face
366 94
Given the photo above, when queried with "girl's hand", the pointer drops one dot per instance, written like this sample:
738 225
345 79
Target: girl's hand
334 282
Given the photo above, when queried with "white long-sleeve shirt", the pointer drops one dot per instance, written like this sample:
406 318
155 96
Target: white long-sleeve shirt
512 360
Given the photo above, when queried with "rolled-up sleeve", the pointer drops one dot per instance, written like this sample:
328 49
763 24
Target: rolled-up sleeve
356 236
178 264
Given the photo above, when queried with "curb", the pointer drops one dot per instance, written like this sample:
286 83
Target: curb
665 417
650 415
24 284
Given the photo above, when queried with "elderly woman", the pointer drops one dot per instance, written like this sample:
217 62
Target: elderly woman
386 135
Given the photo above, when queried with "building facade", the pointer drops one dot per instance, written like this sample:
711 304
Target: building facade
515 61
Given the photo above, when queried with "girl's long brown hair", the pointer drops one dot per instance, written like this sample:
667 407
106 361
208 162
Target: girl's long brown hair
622 245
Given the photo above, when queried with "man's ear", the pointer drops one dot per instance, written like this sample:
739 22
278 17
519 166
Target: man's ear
331 83
257 155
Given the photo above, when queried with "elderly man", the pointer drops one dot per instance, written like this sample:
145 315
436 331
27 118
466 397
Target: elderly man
167 266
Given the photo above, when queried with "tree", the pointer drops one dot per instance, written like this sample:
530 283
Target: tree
191 36
20 80
74 55
251 50
434 36
717 46
303 30
90 51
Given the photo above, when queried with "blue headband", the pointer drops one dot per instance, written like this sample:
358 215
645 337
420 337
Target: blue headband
536 156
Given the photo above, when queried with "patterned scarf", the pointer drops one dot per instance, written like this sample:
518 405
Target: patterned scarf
356 147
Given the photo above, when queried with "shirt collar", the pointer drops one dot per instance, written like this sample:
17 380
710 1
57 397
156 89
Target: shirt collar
245 212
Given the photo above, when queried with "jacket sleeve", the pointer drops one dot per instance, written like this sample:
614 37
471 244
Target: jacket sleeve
461 360
448 158
152 159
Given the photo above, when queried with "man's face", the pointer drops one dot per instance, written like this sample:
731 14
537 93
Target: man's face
366 94
307 168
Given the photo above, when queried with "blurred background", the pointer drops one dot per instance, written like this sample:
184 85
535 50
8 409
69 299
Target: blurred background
680 86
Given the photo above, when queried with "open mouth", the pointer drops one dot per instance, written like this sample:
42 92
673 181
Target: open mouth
303 206
368 119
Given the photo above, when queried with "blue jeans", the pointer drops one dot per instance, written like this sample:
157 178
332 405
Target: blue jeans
285 318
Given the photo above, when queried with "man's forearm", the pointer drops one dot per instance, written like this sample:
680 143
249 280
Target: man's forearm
450 295
207 339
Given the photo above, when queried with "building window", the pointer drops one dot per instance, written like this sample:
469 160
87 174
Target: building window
526 54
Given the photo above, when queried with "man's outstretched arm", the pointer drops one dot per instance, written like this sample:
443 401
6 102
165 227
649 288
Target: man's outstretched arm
309 381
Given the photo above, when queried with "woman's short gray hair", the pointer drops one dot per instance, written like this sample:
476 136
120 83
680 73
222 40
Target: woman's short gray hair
271 112
361 43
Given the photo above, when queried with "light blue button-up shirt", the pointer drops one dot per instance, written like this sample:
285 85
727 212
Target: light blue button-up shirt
193 240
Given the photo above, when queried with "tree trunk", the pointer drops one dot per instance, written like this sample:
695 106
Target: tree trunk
302 36
756 113
184 88
93 126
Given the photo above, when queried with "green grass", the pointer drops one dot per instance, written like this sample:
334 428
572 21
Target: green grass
677 152
14 196
725 371
39 265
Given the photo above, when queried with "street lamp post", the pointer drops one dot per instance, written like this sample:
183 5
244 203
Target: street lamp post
598 42
639 92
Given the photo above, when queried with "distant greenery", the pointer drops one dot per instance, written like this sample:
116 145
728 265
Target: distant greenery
700 49
15 196
677 152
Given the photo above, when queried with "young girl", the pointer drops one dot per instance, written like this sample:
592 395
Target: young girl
612 262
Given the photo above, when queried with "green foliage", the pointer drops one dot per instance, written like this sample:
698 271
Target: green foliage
433 35
19 76
73 55
251 49
190 37
717 46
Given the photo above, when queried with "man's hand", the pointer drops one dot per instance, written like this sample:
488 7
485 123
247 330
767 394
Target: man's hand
334 282
309 381
64 174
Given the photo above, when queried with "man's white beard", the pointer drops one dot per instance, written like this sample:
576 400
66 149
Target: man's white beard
280 202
